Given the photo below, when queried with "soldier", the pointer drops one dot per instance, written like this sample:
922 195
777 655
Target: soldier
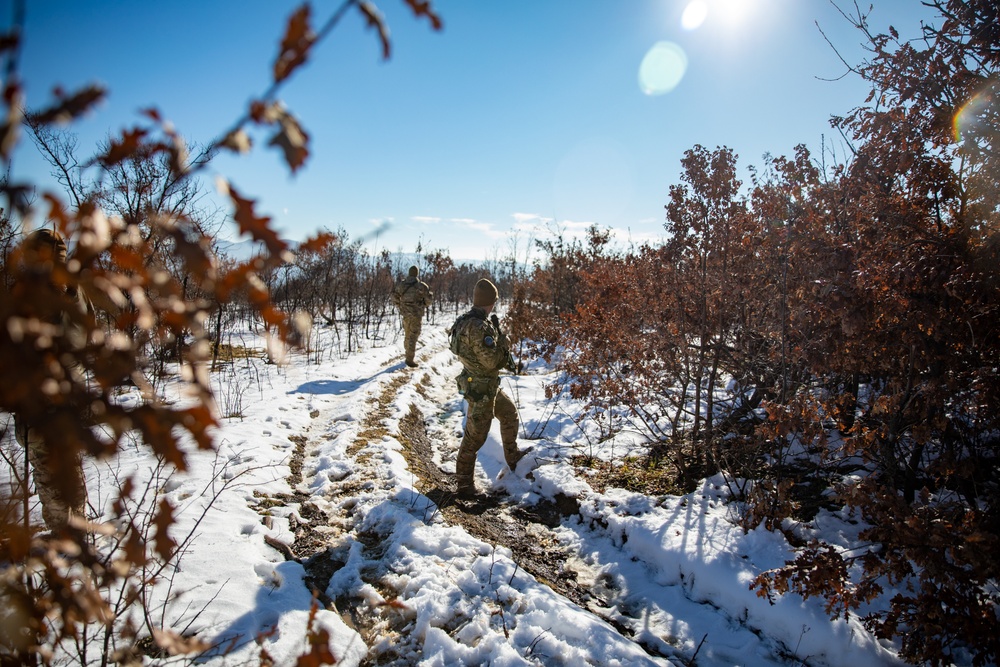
58 474
411 296
484 351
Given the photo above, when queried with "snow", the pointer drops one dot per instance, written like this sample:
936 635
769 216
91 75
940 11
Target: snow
671 574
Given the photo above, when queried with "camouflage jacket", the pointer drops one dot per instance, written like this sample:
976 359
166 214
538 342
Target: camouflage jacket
411 297
482 349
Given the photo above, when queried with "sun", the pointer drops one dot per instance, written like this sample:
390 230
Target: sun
729 13
734 12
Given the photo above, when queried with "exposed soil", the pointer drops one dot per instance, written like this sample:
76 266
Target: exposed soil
493 518
523 530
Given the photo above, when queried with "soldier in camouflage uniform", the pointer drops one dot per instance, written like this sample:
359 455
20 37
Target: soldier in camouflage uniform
411 296
58 475
484 351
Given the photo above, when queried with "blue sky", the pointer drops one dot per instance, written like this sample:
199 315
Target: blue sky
518 116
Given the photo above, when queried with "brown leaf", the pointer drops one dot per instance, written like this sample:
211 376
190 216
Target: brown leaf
234 279
176 644
256 226
319 653
374 19
258 111
198 420
134 550
237 141
318 243
125 147
295 45
423 8
153 114
198 260
163 520
72 106
292 140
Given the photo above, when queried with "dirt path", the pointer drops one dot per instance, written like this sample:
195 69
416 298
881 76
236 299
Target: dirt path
524 530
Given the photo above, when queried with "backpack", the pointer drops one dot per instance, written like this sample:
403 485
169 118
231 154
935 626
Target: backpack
455 337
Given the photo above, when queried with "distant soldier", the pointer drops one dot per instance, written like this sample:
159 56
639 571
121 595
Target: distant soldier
58 474
484 351
411 296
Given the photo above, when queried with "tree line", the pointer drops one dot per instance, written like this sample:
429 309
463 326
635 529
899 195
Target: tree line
828 336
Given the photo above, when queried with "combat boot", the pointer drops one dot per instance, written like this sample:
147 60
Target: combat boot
467 493
515 456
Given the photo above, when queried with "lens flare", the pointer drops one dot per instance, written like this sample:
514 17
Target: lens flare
662 68
694 15
970 118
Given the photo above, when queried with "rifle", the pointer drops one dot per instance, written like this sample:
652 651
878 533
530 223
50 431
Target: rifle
509 362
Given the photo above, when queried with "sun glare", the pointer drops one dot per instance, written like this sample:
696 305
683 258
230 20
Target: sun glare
662 68
733 12
694 15
728 13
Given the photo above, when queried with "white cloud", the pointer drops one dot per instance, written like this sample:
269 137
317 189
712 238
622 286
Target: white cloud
574 226
530 222
484 228
522 218
426 219
626 237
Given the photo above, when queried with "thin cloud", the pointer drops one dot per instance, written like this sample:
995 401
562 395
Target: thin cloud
529 222
485 228
426 219
576 226
627 237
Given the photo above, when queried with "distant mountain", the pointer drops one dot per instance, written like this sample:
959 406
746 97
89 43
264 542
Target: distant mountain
239 250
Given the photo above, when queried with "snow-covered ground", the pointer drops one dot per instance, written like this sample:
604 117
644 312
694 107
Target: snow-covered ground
671 573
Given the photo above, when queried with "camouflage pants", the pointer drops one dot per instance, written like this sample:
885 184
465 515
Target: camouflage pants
59 482
411 331
477 428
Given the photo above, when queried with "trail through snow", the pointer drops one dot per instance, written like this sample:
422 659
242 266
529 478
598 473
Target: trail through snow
336 478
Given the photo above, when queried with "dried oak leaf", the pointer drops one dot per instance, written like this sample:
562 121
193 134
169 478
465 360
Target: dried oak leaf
423 8
256 226
292 140
375 20
125 147
73 106
295 45
163 543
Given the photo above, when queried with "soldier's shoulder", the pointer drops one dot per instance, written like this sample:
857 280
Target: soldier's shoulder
469 322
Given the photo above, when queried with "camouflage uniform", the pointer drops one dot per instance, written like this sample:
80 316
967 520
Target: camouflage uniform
483 351
58 475
411 297
60 483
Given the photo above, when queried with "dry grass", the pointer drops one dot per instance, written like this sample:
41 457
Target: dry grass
634 474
